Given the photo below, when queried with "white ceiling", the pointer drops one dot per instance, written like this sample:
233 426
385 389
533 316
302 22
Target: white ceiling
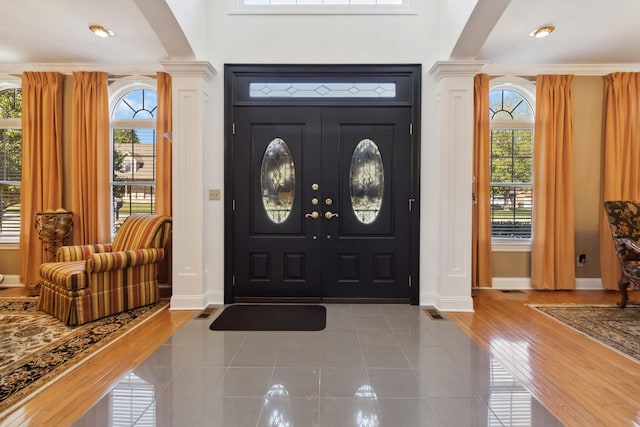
588 32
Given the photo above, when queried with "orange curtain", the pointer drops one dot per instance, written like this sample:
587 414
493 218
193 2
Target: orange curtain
620 156
163 145
481 258
41 182
552 243
90 197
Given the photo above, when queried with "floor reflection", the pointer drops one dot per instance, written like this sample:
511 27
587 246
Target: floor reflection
373 366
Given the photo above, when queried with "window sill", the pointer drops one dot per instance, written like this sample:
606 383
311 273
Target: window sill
8 245
511 245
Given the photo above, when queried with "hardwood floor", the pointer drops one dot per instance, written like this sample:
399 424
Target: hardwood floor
67 399
581 382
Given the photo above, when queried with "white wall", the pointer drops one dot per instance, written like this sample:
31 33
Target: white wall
324 39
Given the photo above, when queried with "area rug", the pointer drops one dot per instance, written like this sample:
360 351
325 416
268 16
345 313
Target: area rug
36 349
616 328
257 317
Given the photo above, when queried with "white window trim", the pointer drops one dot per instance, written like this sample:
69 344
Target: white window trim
237 7
117 89
527 89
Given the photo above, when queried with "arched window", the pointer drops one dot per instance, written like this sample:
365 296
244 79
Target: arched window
512 124
10 161
133 151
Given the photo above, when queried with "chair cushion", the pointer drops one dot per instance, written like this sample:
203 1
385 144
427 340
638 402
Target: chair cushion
140 231
71 275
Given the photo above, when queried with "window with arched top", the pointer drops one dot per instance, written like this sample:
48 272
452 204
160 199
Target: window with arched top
133 152
10 161
512 124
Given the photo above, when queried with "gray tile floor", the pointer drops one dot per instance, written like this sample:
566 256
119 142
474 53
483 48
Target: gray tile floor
373 365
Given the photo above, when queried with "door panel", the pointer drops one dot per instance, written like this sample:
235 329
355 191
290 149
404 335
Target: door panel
368 260
274 259
322 248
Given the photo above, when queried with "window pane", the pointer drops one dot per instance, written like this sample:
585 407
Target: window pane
509 105
132 199
511 155
10 103
277 180
322 90
137 104
366 178
134 155
10 210
511 211
10 164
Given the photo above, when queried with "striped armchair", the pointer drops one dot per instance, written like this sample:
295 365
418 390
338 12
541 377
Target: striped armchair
93 281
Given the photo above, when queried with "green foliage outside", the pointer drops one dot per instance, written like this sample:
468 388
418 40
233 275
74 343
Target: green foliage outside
10 153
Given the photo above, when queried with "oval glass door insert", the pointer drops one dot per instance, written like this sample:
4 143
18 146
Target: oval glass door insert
277 180
366 177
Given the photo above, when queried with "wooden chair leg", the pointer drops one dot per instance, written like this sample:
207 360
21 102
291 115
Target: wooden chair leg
623 284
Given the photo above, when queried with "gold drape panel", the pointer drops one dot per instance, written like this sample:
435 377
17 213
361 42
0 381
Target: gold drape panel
481 258
90 201
41 183
163 145
552 246
620 159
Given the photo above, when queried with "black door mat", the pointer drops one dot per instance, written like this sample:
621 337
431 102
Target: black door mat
259 317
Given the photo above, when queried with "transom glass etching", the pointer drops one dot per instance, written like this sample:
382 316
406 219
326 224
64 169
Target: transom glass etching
322 90
277 180
366 178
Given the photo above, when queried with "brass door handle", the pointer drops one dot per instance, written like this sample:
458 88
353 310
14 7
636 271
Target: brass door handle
313 215
330 215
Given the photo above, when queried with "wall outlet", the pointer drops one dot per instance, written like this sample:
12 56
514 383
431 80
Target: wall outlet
581 260
214 194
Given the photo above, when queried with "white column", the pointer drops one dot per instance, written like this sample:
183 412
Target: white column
191 85
454 108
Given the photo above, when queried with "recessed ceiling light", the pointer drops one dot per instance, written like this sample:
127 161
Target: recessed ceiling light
541 32
101 31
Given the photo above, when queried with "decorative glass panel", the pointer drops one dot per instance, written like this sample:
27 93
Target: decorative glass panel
366 176
322 90
277 180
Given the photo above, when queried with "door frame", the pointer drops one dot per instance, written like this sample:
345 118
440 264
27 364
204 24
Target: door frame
236 83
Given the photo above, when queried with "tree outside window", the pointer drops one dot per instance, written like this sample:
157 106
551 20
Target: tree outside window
10 162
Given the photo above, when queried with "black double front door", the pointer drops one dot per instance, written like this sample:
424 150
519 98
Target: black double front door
322 203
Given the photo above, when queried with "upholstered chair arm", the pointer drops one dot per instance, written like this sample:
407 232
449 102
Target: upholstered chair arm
80 252
99 262
633 246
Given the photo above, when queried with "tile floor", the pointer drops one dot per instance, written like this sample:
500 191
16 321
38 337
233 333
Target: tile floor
373 365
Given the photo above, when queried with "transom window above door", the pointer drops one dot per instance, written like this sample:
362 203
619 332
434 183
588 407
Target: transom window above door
321 6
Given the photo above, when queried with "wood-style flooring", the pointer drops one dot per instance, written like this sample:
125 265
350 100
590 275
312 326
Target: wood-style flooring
581 382
578 380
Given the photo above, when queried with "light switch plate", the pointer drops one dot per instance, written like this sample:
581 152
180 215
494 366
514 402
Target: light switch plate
214 194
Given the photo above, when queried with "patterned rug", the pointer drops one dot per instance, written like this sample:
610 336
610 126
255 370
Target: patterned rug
616 328
37 349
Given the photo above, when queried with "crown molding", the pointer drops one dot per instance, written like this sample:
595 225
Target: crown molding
575 69
70 68
189 68
456 68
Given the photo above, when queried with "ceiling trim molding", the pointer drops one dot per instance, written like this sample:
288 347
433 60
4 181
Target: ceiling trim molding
70 68
575 69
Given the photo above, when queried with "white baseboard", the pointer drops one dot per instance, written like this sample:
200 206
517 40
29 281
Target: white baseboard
11 281
521 283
